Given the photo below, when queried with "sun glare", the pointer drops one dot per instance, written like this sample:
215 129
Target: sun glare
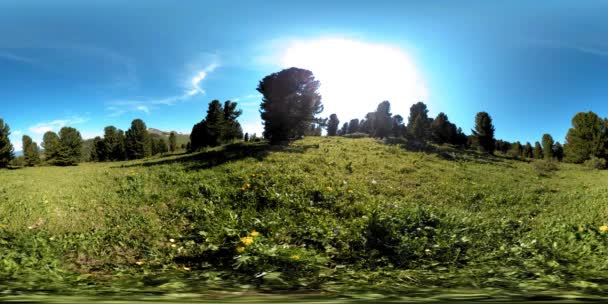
356 76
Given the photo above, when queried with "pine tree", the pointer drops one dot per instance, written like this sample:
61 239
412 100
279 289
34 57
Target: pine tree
418 123
232 128
528 151
172 142
558 151
381 120
353 126
210 131
246 138
31 155
6 148
70 147
484 132
332 125
290 103
98 149
137 142
516 150
547 146
538 151
51 145
442 130
113 143
398 129
587 138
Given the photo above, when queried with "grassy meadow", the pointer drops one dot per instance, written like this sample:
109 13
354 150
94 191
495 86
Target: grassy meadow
328 215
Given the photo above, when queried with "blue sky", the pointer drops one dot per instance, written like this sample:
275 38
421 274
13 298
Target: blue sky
89 64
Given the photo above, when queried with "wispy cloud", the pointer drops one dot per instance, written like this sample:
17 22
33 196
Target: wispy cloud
119 107
43 127
597 49
5 55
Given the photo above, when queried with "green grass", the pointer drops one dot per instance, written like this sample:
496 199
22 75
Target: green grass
334 216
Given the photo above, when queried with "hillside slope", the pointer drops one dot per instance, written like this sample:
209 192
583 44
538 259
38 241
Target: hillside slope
331 214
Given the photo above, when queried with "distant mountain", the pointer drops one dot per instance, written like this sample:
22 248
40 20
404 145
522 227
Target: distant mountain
163 133
18 153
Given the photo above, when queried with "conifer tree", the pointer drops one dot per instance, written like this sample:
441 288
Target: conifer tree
516 150
113 143
31 155
547 146
172 141
353 126
6 148
246 138
442 130
137 142
528 151
97 149
418 123
484 132
587 138
558 151
51 145
70 147
290 103
332 125
381 120
232 128
538 151
398 129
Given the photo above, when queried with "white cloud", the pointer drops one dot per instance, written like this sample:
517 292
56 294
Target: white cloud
17 132
55 125
598 49
119 107
12 57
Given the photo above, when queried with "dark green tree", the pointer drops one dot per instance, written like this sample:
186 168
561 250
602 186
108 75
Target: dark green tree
586 138
538 151
381 121
232 128
418 123
6 148
172 141
209 132
246 138
98 149
113 143
442 130
290 103
353 126
516 150
51 145
398 128
547 146
70 147
502 146
344 130
484 132
558 151
332 125
31 154
527 152
137 142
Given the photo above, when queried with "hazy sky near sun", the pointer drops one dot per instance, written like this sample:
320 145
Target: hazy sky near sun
89 64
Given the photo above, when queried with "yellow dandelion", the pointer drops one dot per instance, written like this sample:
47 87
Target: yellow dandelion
328 188
247 185
254 233
172 240
604 228
295 257
252 175
173 245
240 249
140 263
186 268
243 189
350 191
247 240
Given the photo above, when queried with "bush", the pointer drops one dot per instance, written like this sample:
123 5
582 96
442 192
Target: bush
595 163
545 167
356 135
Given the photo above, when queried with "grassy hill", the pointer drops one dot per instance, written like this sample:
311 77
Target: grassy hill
326 214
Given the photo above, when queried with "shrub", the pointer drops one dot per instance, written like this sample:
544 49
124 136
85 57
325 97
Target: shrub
356 135
545 167
595 163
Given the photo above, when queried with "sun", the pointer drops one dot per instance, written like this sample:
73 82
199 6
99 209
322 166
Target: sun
355 76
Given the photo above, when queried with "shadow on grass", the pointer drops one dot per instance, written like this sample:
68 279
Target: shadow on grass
216 157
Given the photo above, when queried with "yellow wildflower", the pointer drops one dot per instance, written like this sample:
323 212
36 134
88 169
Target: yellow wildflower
240 249
254 233
350 191
247 240
604 228
186 268
295 257
243 189
172 240
328 188
140 263
247 185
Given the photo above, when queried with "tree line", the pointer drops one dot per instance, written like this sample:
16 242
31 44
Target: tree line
289 110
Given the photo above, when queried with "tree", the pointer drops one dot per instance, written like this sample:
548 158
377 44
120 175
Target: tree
332 125
289 104
159 146
31 155
344 130
398 129
113 143
232 128
502 146
210 131
98 149
418 123
538 151
586 138
547 146
484 132
137 143
246 138
172 141
51 145
442 130
381 120
558 151
516 150
6 148
70 147
527 152
353 126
